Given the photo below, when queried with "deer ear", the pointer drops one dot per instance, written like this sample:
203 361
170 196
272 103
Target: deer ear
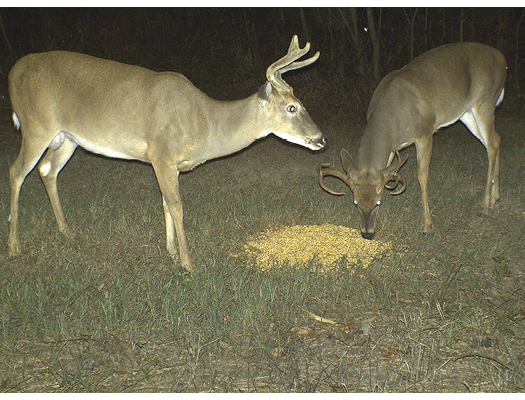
348 164
263 95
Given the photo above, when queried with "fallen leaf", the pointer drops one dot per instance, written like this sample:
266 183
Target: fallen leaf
389 353
348 327
277 352
224 345
301 332
367 325
321 319
487 342
43 360
374 282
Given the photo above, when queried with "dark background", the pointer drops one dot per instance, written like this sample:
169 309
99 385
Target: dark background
225 51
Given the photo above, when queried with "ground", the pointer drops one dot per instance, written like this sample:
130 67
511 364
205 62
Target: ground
108 310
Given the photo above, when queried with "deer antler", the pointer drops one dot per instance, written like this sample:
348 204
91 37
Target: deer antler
394 177
324 171
274 71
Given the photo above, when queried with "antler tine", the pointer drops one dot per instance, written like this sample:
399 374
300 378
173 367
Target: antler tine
301 64
323 171
400 161
286 63
397 180
294 53
392 175
294 45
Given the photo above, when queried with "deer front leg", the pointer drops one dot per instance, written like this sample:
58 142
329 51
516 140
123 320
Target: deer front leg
169 187
424 154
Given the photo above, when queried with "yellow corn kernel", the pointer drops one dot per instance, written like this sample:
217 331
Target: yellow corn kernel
324 244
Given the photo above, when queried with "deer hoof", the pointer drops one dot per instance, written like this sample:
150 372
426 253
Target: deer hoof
427 232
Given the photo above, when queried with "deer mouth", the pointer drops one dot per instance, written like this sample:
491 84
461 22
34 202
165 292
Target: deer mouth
367 235
316 144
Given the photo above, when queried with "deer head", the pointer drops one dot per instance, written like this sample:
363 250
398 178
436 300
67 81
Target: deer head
367 186
278 101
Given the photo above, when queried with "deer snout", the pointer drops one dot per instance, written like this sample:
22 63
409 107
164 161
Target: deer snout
367 235
368 224
317 144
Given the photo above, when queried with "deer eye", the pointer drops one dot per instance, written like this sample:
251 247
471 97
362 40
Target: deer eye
291 108
378 202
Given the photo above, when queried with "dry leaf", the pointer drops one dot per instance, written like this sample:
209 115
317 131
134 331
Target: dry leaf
366 325
348 327
374 282
487 343
302 332
277 352
389 353
321 319
48 340
224 345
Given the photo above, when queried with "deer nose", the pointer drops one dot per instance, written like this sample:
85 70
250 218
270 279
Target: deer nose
316 144
322 143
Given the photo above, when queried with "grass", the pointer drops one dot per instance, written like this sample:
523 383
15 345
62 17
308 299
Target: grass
109 311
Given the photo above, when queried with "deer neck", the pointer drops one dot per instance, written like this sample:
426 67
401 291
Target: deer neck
233 126
222 128
375 147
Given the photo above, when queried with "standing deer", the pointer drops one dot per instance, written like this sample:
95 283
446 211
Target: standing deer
62 100
460 81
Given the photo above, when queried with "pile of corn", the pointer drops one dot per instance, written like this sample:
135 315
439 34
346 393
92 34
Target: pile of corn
325 245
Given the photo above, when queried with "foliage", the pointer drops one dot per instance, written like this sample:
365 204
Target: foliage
214 47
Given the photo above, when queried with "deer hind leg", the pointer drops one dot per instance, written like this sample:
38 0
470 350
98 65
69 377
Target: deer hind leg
30 152
171 246
172 204
424 155
480 122
51 164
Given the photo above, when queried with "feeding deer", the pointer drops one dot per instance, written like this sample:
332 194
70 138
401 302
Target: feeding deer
460 81
62 100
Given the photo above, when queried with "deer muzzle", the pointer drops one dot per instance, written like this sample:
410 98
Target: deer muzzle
368 220
317 144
